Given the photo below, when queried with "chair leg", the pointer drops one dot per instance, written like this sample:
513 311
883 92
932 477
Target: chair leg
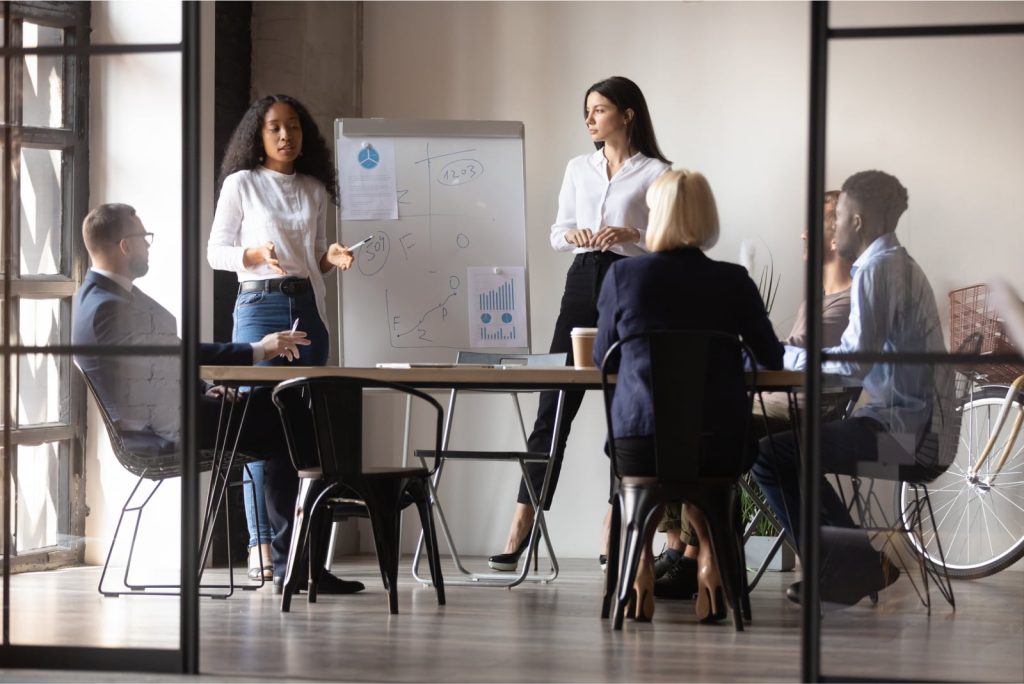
300 526
638 503
318 523
941 574
741 547
382 502
612 572
421 495
113 542
718 505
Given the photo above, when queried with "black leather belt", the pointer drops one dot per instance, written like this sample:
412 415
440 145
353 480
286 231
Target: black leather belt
288 286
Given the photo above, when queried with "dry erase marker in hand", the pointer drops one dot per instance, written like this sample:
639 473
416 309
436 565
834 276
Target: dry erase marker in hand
360 243
295 325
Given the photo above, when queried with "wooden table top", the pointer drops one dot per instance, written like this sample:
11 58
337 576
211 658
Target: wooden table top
529 377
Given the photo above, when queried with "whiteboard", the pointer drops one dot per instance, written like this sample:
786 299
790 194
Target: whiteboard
461 205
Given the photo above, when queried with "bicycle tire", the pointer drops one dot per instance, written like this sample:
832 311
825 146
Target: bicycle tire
968 512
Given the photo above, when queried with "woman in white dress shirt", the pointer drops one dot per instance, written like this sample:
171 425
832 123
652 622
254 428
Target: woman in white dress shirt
602 217
270 227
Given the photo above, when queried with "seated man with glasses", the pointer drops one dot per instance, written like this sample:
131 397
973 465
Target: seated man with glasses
142 393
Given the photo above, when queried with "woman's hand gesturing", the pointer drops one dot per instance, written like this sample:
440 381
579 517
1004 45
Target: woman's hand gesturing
264 254
338 255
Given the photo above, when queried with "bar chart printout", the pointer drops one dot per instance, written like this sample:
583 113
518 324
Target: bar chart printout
497 303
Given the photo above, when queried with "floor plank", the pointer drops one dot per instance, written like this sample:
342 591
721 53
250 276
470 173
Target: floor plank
533 633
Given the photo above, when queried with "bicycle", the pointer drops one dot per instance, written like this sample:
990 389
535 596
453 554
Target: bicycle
978 502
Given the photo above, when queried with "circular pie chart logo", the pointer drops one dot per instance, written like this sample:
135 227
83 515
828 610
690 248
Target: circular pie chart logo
368 158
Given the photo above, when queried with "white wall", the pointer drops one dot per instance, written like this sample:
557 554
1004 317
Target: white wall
727 86
135 158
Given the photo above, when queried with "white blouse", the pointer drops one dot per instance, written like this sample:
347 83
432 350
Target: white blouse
589 199
262 205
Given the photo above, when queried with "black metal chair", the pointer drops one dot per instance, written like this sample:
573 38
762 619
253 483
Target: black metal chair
323 425
148 458
683 364
913 507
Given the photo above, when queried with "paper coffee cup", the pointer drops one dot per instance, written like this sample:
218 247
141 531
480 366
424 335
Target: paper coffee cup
583 346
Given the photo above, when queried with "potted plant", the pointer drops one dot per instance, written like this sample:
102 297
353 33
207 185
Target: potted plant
763 535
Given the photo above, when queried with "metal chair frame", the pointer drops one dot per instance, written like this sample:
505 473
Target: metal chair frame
678 447
159 467
539 531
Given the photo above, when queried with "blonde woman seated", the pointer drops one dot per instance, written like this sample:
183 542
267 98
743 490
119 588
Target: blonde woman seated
678 287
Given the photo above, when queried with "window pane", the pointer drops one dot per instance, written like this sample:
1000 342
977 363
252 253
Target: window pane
42 84
39 387
3 196
40 211
37 492
3 85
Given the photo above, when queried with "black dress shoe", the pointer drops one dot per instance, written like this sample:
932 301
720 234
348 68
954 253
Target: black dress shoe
327 584
679 582
847 593
663 561
508 562
331 584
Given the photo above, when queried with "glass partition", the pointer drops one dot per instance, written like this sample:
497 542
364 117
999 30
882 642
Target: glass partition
940 116
93 450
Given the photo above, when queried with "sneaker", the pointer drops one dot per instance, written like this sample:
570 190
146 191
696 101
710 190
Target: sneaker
679 582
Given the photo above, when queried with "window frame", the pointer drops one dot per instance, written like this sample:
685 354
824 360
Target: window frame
72 140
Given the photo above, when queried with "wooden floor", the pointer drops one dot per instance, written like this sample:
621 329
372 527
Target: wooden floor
533 633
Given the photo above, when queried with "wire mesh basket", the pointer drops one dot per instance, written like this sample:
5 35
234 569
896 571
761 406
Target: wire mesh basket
971 312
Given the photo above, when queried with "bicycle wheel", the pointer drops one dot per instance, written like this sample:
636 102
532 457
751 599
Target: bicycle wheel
980 520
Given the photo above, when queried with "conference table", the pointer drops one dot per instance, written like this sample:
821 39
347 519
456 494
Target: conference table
469 377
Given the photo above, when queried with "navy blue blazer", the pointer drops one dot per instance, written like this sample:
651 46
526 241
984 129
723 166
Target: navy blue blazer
679 289
101 303
105 314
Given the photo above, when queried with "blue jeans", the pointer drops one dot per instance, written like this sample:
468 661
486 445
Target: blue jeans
258 314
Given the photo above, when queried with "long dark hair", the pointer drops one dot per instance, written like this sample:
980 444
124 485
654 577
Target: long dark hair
625 94
245 149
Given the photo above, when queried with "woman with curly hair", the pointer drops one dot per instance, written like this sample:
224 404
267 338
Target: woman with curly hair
270 227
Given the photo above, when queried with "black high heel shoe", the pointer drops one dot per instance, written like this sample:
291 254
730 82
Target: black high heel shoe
508 562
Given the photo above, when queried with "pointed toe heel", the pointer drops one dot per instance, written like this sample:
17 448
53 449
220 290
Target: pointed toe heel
508 562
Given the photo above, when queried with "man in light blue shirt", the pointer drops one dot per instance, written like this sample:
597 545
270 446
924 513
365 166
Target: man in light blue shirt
893 310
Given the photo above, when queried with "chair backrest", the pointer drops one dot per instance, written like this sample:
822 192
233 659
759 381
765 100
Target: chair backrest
323 422
939 446
682 364
143 454
501 359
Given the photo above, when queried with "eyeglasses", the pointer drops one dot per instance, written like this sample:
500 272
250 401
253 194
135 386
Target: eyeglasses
148 237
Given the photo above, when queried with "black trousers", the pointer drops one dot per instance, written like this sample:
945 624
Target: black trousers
578 309
263 437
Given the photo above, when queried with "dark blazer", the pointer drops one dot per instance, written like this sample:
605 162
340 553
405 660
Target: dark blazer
136 388
680 289
101 303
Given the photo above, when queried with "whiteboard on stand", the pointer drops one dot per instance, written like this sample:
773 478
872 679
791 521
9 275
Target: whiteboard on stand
450 272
